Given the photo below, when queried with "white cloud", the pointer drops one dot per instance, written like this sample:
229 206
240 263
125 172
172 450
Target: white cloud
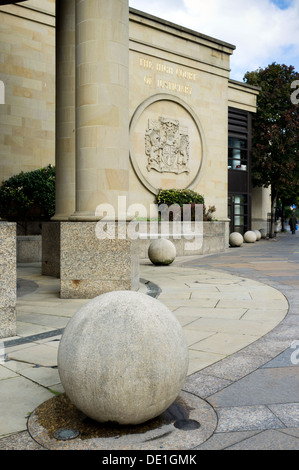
262 32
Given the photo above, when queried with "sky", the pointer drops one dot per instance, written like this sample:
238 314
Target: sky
263 31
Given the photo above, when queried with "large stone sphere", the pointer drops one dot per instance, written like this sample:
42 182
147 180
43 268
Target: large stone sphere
258 235
123 358
250 237
162 252
236 239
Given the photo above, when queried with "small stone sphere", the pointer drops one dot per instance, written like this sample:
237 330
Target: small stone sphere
236 239
263 233
123 358
250 237
162 252
258 235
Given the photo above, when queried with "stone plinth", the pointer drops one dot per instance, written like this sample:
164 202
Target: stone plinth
8 279
51 249
29 249
91 266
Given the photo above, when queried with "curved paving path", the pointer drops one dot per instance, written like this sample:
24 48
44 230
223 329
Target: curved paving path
255 392
240 314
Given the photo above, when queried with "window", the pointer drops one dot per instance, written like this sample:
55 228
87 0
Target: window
237 154
238 212
239 169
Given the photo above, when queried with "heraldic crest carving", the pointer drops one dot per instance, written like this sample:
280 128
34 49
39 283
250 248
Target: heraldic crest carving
167 146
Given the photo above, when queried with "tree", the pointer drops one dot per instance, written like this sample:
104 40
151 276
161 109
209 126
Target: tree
275 131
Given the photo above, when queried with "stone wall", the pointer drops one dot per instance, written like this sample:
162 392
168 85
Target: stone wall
29 249
27 119
179 89
8 279
213 238
177 76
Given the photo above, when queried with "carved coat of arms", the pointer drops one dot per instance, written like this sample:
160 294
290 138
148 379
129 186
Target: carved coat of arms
167 146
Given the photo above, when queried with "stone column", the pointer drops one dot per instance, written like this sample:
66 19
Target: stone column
91 265
65 136
102 105
65 109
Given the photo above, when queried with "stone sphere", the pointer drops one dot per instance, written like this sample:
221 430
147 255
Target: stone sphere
236 239
263 233
123 358
162 252
258 235
250 237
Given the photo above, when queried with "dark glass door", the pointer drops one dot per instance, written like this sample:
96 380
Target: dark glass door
238 213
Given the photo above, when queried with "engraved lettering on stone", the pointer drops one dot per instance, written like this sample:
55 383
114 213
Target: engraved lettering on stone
167 146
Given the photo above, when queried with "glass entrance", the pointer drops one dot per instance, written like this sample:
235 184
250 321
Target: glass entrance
238 212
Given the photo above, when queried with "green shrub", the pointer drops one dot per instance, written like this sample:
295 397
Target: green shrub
179 196
182 197
28 196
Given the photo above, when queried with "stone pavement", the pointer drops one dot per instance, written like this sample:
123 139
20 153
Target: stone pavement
240 314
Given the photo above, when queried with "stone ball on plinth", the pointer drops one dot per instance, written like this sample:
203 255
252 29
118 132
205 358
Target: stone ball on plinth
123 358
258 235
162 252
236 239
250 237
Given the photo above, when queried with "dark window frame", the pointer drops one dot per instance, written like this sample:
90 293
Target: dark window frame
239 178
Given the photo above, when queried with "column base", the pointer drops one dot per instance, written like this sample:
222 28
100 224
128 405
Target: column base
91 266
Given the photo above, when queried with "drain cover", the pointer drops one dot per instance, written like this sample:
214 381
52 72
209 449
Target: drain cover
65 434
187 424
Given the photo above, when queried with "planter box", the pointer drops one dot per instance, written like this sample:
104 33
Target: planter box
29 249
211 237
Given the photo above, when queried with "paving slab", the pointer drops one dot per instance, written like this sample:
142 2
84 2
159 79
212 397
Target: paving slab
19 397
267 440
263 386
246 418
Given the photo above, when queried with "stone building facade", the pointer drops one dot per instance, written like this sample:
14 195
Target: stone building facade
124 104
178 78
